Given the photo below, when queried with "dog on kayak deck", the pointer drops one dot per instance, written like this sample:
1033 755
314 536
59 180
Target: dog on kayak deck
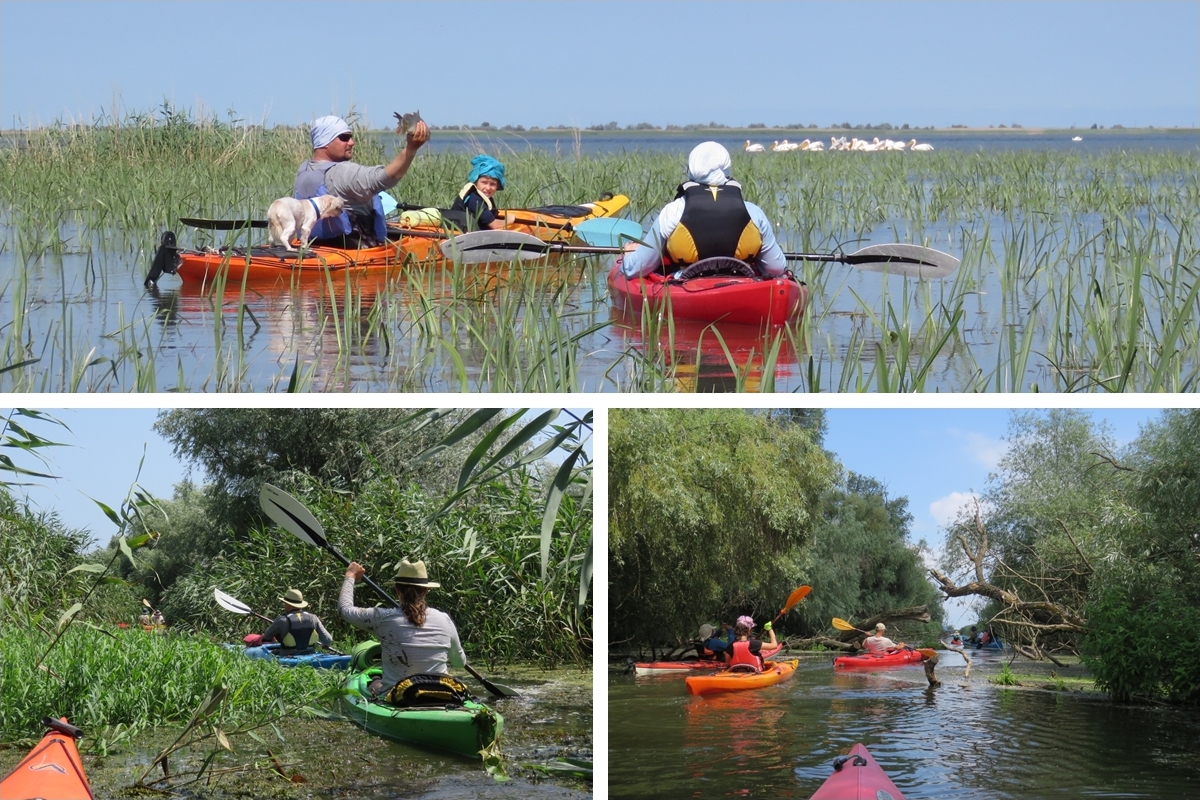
288 216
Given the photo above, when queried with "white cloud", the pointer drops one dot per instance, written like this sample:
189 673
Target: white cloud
981 448
945 509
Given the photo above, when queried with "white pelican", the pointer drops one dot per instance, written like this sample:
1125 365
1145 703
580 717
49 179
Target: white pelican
816 147
912 145
1076 138
752 148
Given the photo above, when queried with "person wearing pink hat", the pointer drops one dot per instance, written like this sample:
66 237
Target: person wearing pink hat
751 652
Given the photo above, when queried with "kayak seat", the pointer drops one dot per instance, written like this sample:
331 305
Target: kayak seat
745 668
720 265
426 689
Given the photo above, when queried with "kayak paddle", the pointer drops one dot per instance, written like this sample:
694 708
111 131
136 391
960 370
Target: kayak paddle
291 515
795 597
241 224
608 231
842 625
231 603
914 261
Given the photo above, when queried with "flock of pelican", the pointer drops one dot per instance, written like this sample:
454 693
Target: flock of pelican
837 143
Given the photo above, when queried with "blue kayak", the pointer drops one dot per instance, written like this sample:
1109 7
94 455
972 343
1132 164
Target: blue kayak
314 660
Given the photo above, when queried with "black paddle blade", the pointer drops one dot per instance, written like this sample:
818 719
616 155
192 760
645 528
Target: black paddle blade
223 224
911 260
166 259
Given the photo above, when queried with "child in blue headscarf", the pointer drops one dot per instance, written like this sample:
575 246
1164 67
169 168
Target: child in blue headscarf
476 198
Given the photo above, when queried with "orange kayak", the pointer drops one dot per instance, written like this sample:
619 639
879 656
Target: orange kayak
52 770
417 244
732 681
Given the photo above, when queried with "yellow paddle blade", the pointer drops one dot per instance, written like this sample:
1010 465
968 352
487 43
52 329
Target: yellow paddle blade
842 625
795 597
928 652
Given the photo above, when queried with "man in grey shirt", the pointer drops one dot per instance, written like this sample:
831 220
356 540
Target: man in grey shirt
330 171
415 637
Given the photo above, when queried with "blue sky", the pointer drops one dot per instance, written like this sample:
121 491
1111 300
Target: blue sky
1039 64
939 458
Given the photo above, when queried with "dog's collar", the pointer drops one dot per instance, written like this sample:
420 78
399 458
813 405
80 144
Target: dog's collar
316 208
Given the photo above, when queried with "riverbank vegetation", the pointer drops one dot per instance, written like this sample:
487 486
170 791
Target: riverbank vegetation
1085 546
1079 271
715 513
506 532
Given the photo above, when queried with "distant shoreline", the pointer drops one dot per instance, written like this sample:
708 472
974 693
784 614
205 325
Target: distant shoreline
749 133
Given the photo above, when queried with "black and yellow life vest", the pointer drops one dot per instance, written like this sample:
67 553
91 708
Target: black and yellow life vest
715 222
301 635
424 689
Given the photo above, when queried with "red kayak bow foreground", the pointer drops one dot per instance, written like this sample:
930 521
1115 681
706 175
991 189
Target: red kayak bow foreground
857 777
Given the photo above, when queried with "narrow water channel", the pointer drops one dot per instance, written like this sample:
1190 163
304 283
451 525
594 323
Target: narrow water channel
967 739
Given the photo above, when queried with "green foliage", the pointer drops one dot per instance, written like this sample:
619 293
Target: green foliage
862 562
239 449
1144 610
1005 677
127 679
710 512
36 554
484 553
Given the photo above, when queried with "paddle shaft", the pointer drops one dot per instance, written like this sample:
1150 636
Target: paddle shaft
844 258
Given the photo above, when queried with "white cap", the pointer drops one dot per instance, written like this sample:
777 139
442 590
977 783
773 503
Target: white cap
709 163
326 129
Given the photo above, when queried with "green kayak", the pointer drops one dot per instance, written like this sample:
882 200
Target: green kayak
464 729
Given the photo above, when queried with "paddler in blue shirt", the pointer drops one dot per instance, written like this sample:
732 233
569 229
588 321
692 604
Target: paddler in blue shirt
713 645
708 218
477 198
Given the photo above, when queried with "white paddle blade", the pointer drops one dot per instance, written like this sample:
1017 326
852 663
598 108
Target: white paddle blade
290 514
493 247
230 603
910 260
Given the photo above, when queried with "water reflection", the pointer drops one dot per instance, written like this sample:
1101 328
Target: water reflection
720 357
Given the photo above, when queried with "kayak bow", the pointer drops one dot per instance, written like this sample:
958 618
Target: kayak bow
857 777
52 770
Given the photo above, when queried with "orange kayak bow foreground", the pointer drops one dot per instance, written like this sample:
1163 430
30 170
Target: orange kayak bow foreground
52 770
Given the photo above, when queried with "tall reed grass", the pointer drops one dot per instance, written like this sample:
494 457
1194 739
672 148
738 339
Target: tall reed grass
1078 273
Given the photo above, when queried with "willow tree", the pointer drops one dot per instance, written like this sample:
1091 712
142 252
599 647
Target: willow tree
709 514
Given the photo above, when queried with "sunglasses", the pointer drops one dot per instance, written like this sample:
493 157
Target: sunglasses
345 137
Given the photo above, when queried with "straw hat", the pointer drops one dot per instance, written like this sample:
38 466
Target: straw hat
412 573
294 598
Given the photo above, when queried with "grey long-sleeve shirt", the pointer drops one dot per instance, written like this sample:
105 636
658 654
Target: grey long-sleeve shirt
407 649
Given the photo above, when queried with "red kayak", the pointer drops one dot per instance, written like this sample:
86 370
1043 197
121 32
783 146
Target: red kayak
674 667
857 777
712 298
892 659
52 770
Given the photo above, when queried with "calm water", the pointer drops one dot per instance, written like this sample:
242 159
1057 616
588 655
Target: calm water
964 740
681 142
94 327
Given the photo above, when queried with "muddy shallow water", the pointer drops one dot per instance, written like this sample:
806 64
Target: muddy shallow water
551 720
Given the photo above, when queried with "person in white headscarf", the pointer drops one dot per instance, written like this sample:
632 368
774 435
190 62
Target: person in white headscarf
707 218
331 171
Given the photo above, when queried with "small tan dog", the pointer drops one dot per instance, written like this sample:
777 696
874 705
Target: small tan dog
287 216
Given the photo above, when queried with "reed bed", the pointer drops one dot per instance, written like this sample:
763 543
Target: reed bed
118 683
1079 272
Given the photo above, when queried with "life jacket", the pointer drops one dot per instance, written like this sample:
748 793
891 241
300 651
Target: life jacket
742 655
460 204
302 629
715 222
310 182
425 689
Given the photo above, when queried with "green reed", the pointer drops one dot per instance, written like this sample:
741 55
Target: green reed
116 682
1078 271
